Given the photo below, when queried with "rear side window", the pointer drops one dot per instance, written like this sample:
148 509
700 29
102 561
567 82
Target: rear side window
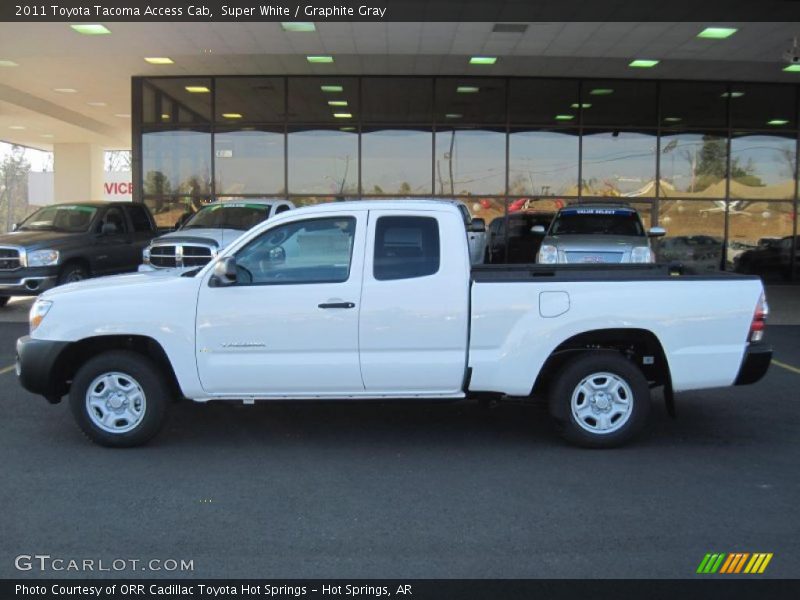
139 218
406 247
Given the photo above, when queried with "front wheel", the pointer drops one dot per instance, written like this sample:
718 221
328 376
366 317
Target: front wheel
119 399
72 272
600 399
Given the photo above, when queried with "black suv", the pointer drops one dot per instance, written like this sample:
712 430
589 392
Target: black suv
69 242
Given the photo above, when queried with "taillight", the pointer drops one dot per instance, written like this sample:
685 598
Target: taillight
759 320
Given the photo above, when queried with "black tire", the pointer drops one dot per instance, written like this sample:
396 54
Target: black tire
580 369
4 300
72 272
143 372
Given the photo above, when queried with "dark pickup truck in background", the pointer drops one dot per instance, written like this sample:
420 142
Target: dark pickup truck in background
63 243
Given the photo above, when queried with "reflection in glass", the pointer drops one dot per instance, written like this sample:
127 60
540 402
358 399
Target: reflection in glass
760 238
190 96
762 166
169 211
759 106
321 99
323 161
619 103
176 162
396 161
543 101
693 104
397 99
470 161
470 100
544 163
619 164
249 99
695 232
693 165
249 162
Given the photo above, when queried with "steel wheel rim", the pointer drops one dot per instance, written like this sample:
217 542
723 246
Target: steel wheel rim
115 402
602 403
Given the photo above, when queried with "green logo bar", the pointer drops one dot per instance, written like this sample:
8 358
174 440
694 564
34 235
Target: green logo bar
711 563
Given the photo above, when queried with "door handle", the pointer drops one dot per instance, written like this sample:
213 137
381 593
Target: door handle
337 305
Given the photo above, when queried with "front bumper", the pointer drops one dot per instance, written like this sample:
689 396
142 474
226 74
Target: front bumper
755 364
37 367
29 281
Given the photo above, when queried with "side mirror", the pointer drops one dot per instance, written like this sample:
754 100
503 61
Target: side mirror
277 256
477 225
538 230
14 226
108 229
657 232
225 271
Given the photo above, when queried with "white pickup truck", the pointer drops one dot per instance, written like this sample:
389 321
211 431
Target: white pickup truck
374 300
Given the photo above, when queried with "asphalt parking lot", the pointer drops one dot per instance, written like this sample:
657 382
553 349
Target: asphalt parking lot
396 490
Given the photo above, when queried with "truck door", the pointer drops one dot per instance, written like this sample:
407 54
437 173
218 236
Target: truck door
113 242
414 303
289 325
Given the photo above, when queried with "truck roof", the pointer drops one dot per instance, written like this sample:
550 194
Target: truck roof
399 204
264 201
584 205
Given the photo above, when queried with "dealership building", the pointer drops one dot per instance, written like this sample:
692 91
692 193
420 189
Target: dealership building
694 124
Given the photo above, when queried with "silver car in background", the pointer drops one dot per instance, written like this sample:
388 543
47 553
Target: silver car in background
597 233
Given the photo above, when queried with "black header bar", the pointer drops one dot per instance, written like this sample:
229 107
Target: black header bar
706 11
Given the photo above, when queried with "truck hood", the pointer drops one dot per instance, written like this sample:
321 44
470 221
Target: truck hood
40 239
128 280
589 243
221 237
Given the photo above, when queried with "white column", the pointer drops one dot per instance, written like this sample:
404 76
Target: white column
78 171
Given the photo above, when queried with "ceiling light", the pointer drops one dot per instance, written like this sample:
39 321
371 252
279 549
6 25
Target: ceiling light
601 92
91 29
96 104
337 102
777 122
717 33
672 119
122 115
197 89
788 68
165 117
343 115
564 117
331 89
65 90
17 127
467 89
580 105
231 115
643 63
483 60
319 59
347 128
297 26
48 135
453 116
732 94
159 60
8 63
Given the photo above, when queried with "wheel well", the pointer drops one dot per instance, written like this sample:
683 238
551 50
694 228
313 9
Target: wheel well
77 260
76 354
640 346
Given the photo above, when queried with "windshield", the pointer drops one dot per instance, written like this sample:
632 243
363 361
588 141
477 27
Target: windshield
592 221
67 218
228 216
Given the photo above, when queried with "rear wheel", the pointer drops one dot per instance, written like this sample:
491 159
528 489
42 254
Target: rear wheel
72 272
119 399
600 399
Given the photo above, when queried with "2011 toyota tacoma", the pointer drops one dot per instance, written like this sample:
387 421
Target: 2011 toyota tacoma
377 299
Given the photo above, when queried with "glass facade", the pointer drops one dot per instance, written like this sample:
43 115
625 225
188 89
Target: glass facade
714 163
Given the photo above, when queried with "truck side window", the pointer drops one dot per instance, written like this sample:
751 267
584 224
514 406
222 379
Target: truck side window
139 218
309 251
406 247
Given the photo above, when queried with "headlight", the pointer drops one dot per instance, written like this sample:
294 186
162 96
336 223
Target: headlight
146 255
642 254
38 312
548 255
42 258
